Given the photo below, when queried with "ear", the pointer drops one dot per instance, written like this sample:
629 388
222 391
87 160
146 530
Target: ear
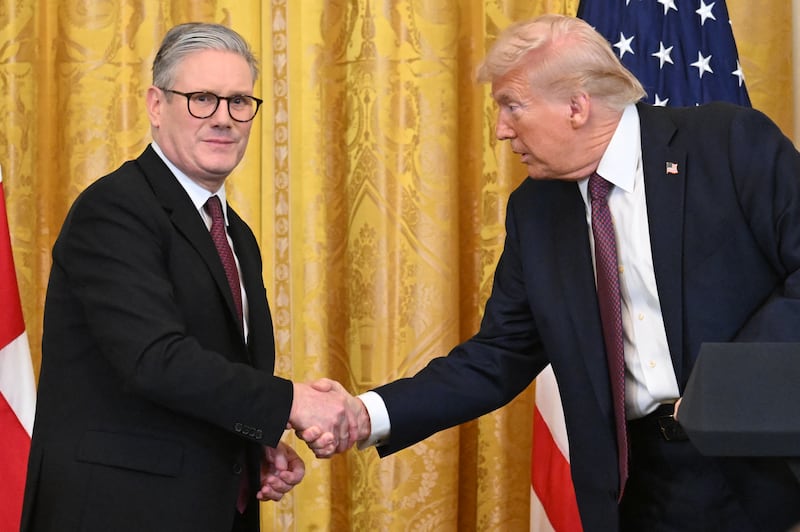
580 105
154 101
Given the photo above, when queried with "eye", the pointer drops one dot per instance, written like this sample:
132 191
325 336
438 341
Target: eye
203 97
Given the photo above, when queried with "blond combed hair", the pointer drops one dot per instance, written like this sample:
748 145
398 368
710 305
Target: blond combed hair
563 54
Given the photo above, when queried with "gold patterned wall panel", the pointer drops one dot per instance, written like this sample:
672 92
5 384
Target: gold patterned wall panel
20 68
495 451
371 239
763 33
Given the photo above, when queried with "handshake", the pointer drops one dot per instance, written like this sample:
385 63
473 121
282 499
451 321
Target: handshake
327 417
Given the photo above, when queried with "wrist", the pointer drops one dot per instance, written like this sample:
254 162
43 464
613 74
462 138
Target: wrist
364 422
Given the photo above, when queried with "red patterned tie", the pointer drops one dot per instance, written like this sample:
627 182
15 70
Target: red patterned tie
220 238
608 296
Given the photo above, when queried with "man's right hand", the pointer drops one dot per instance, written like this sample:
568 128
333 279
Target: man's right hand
327 417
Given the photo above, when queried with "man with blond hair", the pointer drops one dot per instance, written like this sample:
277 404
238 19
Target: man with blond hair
641 232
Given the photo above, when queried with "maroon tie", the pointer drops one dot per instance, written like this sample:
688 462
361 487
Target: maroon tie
608 296
220 238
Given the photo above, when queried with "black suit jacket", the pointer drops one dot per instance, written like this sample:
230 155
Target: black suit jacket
149 400
725 237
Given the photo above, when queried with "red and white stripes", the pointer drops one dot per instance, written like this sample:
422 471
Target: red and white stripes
17 387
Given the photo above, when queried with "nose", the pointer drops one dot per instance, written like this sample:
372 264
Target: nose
502 130
222 115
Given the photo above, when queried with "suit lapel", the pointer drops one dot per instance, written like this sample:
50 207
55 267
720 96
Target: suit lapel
186 220
250 265
665 173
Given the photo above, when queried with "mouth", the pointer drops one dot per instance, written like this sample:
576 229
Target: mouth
523 155
221 141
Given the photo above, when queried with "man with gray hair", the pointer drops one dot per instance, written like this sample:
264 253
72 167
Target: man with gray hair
158 409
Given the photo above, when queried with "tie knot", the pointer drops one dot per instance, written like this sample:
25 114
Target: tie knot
598 187
214 208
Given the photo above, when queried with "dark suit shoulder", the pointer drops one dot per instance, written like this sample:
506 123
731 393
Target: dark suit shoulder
541 193
710 117
128 179
127 193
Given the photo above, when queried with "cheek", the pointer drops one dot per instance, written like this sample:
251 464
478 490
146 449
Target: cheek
534 135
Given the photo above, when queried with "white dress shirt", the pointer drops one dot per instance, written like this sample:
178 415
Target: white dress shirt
649 375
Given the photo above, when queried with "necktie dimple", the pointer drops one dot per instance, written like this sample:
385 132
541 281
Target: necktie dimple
220 238
608 296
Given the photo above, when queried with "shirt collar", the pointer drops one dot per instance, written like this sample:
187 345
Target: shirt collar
197 194
622 155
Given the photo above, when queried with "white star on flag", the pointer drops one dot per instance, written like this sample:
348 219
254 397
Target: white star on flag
739 73
668 4
624 44
663 54
705 12
702 64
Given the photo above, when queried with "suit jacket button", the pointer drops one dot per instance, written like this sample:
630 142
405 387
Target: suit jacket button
237 427
237 468
258 434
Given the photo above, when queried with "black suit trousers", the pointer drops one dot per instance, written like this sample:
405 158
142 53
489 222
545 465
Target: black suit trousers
703 493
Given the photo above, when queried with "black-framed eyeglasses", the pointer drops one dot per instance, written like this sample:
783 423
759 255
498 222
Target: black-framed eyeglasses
241 107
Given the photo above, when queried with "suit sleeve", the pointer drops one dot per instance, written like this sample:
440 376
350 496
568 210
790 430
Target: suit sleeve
766 170
479 375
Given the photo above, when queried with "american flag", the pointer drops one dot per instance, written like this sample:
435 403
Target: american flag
682 51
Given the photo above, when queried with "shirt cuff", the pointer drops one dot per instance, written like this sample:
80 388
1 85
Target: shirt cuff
379 420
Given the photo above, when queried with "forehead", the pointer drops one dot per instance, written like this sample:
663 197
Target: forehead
215 70
514 85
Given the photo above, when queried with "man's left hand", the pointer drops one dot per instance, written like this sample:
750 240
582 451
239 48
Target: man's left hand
281 470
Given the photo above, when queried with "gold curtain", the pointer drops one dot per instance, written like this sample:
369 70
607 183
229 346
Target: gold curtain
373 181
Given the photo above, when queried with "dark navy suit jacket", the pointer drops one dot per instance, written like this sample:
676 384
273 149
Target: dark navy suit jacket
725 236
149 397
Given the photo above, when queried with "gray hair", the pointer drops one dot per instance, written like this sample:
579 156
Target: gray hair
564 54
185 39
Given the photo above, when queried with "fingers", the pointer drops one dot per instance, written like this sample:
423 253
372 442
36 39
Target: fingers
281 470
324 445
326 410
312 434
324 385
325 451
327 417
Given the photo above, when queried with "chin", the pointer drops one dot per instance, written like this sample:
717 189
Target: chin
222 165
534 172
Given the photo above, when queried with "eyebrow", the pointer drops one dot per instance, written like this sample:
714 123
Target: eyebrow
504 97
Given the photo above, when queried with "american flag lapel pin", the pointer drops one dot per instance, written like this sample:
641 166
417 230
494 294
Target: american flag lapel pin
672 168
